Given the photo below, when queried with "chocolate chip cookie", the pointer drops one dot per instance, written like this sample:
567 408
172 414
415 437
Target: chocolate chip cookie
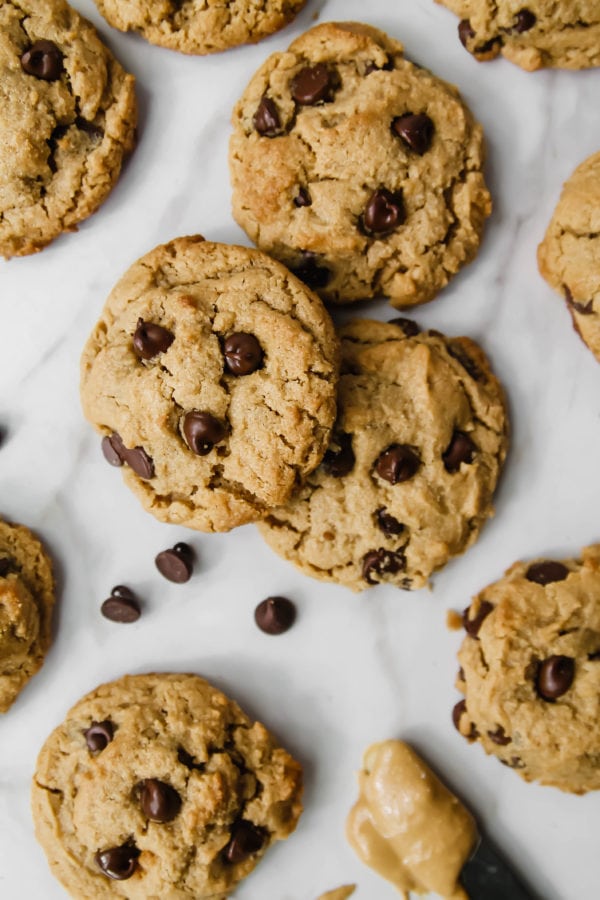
569 255
530 671
212 375
26 603
200 26
407 481
67 118
159 786
359 170
533 34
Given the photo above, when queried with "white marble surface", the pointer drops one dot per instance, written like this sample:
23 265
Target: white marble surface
354 669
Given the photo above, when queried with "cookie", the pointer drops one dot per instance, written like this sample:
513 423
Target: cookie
535 35
359 170
569 255
416 452
530 671
159 786
67 118
200 26
26 603
212 375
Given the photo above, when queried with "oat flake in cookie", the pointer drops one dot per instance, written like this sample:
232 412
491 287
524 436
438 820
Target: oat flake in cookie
67 118
530 671
212 377
359 170
159 786
416 453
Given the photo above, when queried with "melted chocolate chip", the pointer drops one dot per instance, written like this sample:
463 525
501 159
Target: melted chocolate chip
176 564
150 339
555 676
275 615
524 21
339 459
159 801
122 605
387 523
465 32
384 212
118 862
202 431
382 562
246 839
473 625
314 84
311 272
243 354
408 326
458 710
398 463
43 60
584 309
499 736
99 735
266 118
415 131
186 759
546 572
302 198
460 450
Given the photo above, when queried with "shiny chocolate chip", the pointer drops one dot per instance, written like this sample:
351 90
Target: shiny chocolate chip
99 735
387 523
546 572
43 60
246 839
384 212
499 736
177 564
398 463
408 326
266 118
122 605
243 354
159 801
302 198
460 450
275 615
142 464
339 459
415 131
311 272
555 676
118 862
150 339
465 32
473 625
314 84
524 21
113 449
459 709
381 562
202 431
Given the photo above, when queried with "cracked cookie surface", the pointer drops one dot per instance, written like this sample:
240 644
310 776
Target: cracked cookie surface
530 671
200 26
359 170
159 787
416 452
212 374
533 34
67 118
569 255
26 603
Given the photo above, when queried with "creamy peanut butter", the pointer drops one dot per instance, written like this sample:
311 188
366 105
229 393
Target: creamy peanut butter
340 893
407 825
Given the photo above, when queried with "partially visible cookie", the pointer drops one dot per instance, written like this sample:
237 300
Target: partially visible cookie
569 255
530 671
212 375
26 603
416 453
359 170
67 118
200 26
531 33
159 786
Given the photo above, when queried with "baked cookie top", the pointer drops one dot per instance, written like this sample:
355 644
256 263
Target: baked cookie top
533 34
159 786
416 452
212 374
200 26
26 603
67 117
530 671
359 170
569 255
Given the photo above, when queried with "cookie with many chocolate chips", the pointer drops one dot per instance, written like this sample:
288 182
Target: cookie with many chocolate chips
67 119
26 603
359 170
161 786
531 33
569 255
212 376
530 671
407 481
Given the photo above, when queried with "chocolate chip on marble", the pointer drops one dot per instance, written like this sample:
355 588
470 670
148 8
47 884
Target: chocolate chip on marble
384 212
118 863
159 801
555 676
465 32
314 84
339 459
524 21
113 449
408 326
382 562
266 118
546 572
246 839
387 523
499 736
202 431
122 605
275 615
460 450
43 60
415 131
176 564
398 463
311 272
99 735
473 625
243 354
302 198
150 339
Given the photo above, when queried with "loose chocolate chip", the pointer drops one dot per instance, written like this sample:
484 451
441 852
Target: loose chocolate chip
499 736
415 131
398 463
243 354
524 21
275 615
118 862
246 839
43 60
5 566
140 462
384 212
113 449
150 339
99 735
473 625
408 326
555 676
121 606
314 84
460 450
465 32
176 564
387 523
302 198
339 459
311 272
266 118
546 572
159 801
202 431
458 710
381 562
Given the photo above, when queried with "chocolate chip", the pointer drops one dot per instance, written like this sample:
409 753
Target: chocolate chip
473 625
113 448
398 463
458 710
3 434
311 272
186 759
373 67
246 839
382 562
202 431
387 523
465 32
314 84
384 212
339 459
524 21
499 736
302 198
275 615
89 128
43 60
460 450
118 862
408 326
457 351
159 801
116 453
546 572
150 339
5 566
555 676
99 735
415 131
243 354
594 656
584 309
266 118
121 606
176 564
